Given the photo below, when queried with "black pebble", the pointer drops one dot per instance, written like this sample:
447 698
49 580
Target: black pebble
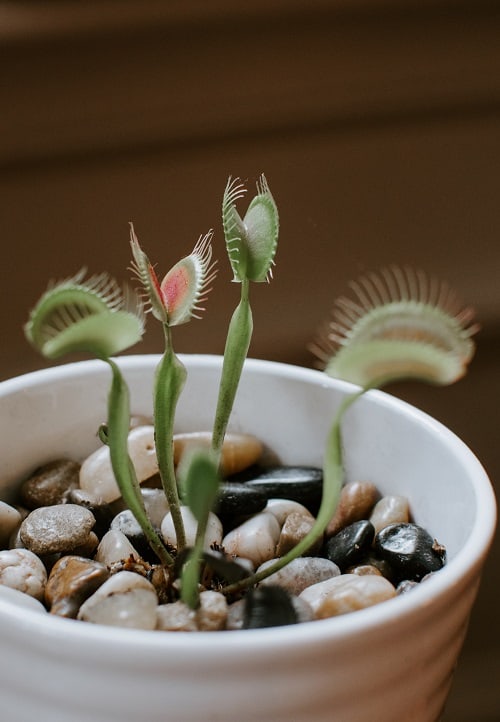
351 544
268 606
410 550
236 500
303 484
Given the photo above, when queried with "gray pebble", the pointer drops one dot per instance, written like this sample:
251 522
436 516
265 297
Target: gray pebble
60 528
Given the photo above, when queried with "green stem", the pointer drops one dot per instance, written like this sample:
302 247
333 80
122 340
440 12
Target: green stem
333 474
190 576
237 344
123 469
169 382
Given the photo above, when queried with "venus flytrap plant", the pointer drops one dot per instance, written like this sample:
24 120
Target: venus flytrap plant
172 301
251 244
399 326
95 317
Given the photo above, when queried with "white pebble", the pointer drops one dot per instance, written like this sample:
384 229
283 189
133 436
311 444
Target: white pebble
347 593
213 534
255 539
209 617
176 617
125 600
212 613
96 473
20 599
10 521
281 508
389 510
114 547
156 505
300 573
22 570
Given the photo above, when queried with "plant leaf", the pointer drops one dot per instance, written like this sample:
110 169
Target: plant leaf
91 316
398 326
200 483
252 242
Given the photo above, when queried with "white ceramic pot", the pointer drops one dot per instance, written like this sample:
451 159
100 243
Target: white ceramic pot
389 663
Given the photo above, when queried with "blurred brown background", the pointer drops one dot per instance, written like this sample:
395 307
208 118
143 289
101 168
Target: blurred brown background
376 123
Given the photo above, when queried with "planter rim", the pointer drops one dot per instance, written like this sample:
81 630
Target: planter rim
471 556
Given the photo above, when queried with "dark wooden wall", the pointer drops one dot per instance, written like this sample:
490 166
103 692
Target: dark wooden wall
376 123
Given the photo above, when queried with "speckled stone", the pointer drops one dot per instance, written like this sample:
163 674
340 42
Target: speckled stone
347 593
59 528
71 581
22 570
50 484
125 600
300 573
356 501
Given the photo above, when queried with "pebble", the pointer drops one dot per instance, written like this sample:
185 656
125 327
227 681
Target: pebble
236 500
239 451
22 570
210 616
390 510
296 526
10 521
156 505
50 484
213 534
410 550
101 510
59 528
88 547
356 501
281 508
300 573
96 473
125 600
350 544
114 547
303 484
347 593
21 600
126 522
71 581
362 569
236 613
268 606
406 586
255 539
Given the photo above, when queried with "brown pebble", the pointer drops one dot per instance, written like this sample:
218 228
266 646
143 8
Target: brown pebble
295 528
72 580
50 484
356 502
239 451
362 569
